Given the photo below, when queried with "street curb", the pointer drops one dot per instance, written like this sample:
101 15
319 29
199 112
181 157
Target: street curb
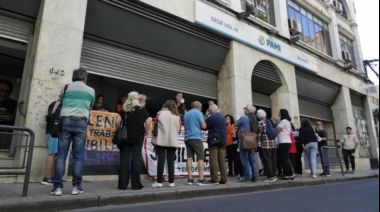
67 203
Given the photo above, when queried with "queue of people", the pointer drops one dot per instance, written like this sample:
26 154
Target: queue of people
281 144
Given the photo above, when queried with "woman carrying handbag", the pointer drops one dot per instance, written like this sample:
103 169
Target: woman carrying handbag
137 121
165 139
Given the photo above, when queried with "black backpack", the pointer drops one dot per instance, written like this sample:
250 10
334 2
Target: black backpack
54 116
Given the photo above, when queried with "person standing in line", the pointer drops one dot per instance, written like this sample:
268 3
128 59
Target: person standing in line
142 100
52 145
248 123
284 129
324 135
350 144
300 149
76 102
137 121
310 143
100 106
166 141
269 149
194 123
239 166
293 150
216 123
276 121
121 103
231 148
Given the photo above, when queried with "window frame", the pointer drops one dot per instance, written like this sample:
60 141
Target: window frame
311 24
348 44
267 10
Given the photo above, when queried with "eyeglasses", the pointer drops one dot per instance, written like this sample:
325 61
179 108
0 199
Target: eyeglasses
5 91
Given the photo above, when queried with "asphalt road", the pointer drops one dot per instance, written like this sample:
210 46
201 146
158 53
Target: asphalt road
359 196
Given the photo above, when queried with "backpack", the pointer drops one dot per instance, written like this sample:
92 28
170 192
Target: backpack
53 117
271 130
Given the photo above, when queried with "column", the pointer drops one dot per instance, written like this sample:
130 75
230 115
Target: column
343 112
57 44
334 34
359 58
371 127
281 14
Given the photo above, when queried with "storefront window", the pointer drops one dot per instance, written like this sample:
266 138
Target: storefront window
264 10
347 45
314 31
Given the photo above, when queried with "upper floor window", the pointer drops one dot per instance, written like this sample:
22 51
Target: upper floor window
314 31
347 45
344 13
264 10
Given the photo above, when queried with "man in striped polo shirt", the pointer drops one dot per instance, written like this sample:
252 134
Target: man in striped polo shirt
76 103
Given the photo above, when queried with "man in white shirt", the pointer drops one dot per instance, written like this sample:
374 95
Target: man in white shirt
350 144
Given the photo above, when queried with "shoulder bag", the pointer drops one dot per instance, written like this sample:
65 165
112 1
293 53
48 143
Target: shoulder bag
121 134
215 138
250 139
317 135
55 117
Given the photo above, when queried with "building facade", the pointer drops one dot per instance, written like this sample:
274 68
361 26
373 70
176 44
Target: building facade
203 48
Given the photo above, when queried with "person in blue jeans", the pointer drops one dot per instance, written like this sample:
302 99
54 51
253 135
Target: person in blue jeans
76 103
248 156
310 143
325 160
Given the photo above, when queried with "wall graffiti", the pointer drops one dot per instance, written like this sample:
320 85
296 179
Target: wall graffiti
361 127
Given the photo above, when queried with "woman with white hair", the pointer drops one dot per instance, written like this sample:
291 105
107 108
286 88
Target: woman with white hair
269 147
136 119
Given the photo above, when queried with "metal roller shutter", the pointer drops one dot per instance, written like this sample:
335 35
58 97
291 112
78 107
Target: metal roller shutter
15 30
265 70
315 110
261 100
120 63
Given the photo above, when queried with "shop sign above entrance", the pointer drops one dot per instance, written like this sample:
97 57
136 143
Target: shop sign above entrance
227 24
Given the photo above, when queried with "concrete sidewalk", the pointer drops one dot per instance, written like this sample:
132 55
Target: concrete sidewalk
104 193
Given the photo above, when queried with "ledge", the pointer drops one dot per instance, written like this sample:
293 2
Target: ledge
315 11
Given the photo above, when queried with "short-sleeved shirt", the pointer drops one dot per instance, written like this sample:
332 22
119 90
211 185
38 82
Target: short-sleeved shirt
136 123
77 100
266 143
349 141
323 134
284 135
192 123
243 124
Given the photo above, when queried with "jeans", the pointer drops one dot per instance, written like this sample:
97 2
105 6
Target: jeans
311 154
270 162
349 154
75 131
326 161
218 159
170 156
249 164
284 157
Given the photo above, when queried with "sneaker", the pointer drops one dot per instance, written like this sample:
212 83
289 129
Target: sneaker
203 182
190 182
314 176
77 190
157 185
328 175
322 175
211 182
56 192
46 181
348 171
254 181
223 183
171 185
353 172
240 178
271 180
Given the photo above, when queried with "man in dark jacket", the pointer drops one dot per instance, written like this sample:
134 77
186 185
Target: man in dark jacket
217 124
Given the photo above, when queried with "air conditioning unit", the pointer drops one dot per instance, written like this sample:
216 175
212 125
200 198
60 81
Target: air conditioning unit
338 6
294 27
250 9
347 56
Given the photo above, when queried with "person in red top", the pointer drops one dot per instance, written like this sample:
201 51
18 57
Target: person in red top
231 147
293 149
